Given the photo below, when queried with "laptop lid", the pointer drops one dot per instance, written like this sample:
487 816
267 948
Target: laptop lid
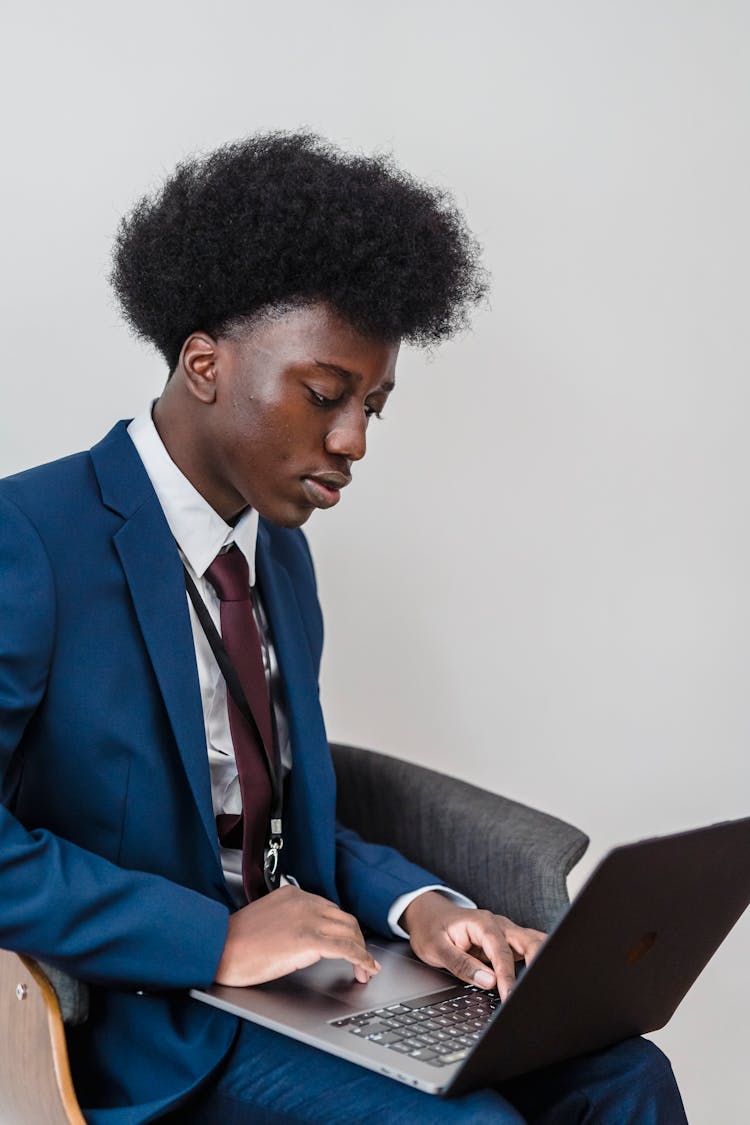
621 959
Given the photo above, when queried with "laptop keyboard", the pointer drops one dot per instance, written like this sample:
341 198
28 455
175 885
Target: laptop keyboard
438 1032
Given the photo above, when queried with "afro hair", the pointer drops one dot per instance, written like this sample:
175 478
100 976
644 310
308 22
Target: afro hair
287 218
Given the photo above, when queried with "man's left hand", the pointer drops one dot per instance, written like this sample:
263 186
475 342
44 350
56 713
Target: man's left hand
476 946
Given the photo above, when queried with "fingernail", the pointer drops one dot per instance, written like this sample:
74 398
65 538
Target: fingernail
484 979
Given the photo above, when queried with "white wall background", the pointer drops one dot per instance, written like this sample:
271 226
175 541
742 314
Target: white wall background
540 579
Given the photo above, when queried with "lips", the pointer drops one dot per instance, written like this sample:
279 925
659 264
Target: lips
323 490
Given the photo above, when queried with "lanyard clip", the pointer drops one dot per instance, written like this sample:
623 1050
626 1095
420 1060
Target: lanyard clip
271 856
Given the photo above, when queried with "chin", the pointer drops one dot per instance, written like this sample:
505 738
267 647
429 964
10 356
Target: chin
288 519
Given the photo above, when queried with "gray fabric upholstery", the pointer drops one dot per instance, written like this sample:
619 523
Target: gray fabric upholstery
509 858
72 994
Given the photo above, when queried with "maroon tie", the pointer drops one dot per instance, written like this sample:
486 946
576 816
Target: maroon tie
230 578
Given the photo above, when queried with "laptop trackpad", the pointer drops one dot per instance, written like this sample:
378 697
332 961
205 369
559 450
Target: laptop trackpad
401 977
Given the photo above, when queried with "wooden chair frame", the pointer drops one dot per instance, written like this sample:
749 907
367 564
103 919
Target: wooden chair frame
35 1083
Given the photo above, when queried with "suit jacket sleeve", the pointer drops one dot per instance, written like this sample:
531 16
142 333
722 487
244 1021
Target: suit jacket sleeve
371 877
60 902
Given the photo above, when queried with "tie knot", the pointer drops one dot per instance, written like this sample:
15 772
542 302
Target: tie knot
229 575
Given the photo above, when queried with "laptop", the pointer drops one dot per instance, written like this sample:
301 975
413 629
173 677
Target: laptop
616 965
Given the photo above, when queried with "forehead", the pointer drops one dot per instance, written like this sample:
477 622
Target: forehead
315 336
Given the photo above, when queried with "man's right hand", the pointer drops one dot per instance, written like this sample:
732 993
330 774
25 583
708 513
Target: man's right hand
290 929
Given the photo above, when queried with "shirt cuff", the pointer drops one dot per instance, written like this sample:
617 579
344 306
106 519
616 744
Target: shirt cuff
401 903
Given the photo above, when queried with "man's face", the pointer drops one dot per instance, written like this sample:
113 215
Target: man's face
293 398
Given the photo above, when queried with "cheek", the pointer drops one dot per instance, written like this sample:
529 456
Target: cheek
274 433
270 438
292 434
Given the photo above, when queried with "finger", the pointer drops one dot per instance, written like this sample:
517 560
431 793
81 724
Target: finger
351 923
488 935
532 949
362 976
502 936
357 955
334 914
524 942
503 965
343 927
461 963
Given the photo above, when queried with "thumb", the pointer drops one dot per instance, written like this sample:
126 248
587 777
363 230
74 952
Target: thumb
467 968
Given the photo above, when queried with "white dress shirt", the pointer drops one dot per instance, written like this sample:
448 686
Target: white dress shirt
200 534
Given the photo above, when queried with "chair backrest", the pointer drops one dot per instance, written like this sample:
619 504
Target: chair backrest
35 1083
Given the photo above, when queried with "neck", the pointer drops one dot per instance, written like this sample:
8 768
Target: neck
182 430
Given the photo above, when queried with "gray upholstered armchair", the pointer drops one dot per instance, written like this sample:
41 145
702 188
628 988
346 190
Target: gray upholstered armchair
506 856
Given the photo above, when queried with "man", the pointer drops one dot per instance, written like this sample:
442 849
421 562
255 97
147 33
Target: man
159 654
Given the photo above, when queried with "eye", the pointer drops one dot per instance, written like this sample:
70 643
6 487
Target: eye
321 400
372 411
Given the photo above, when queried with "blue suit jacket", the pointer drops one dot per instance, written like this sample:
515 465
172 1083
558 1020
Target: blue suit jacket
109 865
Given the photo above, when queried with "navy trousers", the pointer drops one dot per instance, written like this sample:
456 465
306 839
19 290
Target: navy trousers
269 1079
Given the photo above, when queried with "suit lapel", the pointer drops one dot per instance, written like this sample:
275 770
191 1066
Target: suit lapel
153 571
154 574
309 826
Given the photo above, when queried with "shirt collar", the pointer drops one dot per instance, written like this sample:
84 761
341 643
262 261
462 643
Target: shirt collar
200 532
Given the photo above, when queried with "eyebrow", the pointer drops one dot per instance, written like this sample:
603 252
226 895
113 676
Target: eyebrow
345 374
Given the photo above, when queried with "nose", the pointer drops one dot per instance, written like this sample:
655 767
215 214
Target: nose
348 437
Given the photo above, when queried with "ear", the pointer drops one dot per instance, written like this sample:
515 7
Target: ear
198 360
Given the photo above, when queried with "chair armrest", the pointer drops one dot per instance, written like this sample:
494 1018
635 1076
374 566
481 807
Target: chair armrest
72 995
507 857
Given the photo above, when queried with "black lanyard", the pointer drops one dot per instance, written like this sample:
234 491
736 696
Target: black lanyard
234 687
